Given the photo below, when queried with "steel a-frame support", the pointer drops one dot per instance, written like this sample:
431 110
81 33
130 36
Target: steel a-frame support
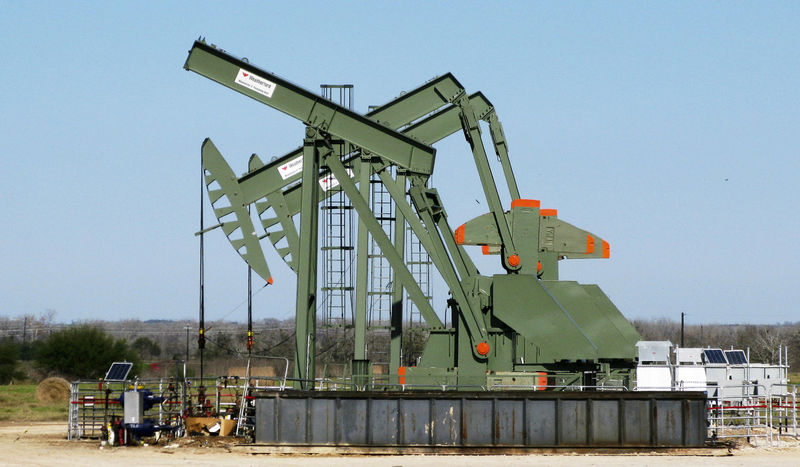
396 316
306 311
451 265
360 365
366 216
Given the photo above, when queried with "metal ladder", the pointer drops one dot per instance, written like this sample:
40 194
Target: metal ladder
73 430
419 263
380 278
243 412
336 232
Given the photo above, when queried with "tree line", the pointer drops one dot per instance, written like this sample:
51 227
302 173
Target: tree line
85 350
763 341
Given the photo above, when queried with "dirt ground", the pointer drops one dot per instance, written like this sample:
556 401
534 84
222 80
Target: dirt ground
46 444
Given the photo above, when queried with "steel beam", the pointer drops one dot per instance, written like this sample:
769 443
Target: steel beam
366 216
362 268
310 108
396 319
473 135
306 311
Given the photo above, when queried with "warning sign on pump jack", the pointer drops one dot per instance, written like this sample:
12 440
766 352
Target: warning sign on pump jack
293 167
256 83
329 182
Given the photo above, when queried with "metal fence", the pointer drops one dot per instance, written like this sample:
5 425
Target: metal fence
755 413
95 404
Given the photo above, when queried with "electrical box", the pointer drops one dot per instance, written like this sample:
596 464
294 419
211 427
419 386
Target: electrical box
134 407
689 356
654 351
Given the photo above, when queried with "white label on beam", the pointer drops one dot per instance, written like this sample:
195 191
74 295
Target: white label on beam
329 181
293 167
256 83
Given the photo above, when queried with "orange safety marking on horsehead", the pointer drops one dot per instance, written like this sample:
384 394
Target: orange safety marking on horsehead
589 244
482 348
525 203
459 234
548 212
485 250
513 261
606 249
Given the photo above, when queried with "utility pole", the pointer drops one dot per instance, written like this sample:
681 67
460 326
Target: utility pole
682 319
187 343
185 382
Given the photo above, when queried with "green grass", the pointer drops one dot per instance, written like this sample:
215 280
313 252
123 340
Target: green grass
794 378
18 403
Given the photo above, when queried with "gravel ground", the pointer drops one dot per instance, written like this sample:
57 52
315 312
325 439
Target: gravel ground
45 444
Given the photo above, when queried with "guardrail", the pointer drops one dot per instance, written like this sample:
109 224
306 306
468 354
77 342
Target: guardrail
750 411
748 417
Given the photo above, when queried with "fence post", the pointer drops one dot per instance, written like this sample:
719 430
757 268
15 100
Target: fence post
794 410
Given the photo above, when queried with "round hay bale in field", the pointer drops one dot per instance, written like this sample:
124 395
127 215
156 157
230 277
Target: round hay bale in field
53 389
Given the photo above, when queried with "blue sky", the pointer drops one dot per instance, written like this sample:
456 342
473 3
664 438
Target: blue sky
669 129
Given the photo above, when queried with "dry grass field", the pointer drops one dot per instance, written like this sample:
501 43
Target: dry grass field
18 404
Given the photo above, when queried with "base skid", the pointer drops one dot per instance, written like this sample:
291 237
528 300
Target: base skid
481 420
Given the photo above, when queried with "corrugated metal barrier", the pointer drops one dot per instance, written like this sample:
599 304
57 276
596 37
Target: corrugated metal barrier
482 419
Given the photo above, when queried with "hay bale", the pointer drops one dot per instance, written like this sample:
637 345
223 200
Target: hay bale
53 389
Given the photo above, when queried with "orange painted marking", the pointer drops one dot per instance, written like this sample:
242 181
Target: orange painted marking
606 249
538 266
269 281
548 212
485 250
513 261
525 203
589 244
482 348
459 234
541 381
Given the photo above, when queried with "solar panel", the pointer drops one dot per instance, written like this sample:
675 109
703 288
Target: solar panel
118 371
714 356
736 357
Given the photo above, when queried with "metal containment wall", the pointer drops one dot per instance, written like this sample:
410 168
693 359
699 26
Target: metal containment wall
482 419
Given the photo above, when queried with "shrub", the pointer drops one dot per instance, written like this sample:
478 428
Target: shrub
9 361
81 352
